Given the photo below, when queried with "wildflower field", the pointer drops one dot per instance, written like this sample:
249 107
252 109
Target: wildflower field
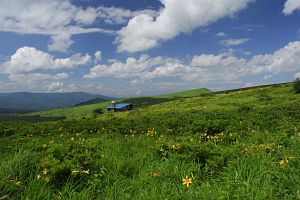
232 145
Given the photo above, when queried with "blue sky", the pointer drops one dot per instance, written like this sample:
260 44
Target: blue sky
146 47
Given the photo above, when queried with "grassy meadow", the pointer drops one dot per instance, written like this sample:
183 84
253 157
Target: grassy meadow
233 145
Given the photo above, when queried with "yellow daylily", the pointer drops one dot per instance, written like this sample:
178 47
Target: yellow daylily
45 171
187 181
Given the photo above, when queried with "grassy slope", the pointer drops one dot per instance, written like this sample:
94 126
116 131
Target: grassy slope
188 93
87 110
92 101
237 145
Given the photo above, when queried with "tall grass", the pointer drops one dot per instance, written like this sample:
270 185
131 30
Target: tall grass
240 145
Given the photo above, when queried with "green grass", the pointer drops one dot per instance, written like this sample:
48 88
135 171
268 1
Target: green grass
236 145
30 118
184 94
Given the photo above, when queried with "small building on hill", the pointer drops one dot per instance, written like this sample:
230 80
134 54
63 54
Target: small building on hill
120 107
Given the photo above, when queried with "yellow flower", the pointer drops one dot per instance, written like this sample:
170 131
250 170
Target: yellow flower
283 162
155 174
187 181
47 179
176 146
45 171
38 176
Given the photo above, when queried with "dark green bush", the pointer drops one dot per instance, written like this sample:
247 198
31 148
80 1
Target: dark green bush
244 109
98 111
263 96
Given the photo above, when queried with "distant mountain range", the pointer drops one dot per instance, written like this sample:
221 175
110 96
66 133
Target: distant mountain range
22 102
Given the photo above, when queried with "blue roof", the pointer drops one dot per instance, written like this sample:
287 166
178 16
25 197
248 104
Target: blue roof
120 105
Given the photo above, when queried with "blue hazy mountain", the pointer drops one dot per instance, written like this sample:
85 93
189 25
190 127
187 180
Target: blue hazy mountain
21 102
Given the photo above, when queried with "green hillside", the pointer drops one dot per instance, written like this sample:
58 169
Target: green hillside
184 94
234 145
87 110
142 101
92 101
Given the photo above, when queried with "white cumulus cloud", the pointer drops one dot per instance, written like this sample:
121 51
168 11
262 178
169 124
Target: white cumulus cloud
37 77
29 59
35 80
59 19
60 42
144 68
213 68
286 59
98 56
113 15
86 17
178 16
60 87
291 6
201 68
48 17
204 68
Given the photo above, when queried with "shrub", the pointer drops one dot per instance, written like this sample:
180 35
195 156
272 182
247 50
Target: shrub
297 86
244 109
98 111
263 96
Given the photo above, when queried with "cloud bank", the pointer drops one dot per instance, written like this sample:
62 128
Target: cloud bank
204 68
